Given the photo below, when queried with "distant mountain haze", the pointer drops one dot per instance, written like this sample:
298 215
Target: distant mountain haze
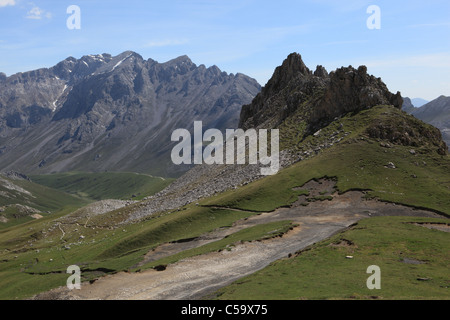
418 102
117 113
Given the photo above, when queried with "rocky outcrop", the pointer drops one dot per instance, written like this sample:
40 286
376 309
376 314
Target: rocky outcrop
319 97
13 175
407 131
351 90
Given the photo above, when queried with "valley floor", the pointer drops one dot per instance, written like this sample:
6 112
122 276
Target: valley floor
200 276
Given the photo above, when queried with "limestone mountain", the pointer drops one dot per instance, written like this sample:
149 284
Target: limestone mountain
116 113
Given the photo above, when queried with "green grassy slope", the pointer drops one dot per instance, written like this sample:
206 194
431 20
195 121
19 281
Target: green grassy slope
413 263
41 197
104 185
359 163
34 256
45 200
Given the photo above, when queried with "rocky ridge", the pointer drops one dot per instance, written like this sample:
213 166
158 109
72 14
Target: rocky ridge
294 94
92 113
319 97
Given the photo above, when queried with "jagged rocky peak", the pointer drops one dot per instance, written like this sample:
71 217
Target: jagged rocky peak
184 59
321 72
180 65
318 97
350 90
292 67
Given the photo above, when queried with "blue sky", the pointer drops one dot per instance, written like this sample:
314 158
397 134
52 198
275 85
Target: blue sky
411 51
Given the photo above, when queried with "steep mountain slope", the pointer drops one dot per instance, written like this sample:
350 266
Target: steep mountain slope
112 113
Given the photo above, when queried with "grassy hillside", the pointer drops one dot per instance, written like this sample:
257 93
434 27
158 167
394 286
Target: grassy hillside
413 261
34 256
19 199
104 185
421 177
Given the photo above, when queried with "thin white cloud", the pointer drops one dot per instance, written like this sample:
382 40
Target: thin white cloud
166 43
38 13
431 25
4 3
435 60
337 43
344 6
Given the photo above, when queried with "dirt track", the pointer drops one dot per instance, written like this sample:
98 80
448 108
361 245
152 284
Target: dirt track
198 276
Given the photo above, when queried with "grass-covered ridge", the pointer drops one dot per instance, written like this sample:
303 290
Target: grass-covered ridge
104 185
421 177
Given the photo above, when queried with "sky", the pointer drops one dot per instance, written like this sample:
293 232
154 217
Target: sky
410 49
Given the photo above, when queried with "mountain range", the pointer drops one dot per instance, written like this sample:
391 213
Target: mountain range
116 113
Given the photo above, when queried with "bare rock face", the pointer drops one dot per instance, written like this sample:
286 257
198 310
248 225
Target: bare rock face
321 72
352 90
319 96
281 97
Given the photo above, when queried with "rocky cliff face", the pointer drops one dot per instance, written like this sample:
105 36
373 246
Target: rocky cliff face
112 113
318 96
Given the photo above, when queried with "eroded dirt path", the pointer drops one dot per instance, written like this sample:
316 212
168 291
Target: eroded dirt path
198 276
